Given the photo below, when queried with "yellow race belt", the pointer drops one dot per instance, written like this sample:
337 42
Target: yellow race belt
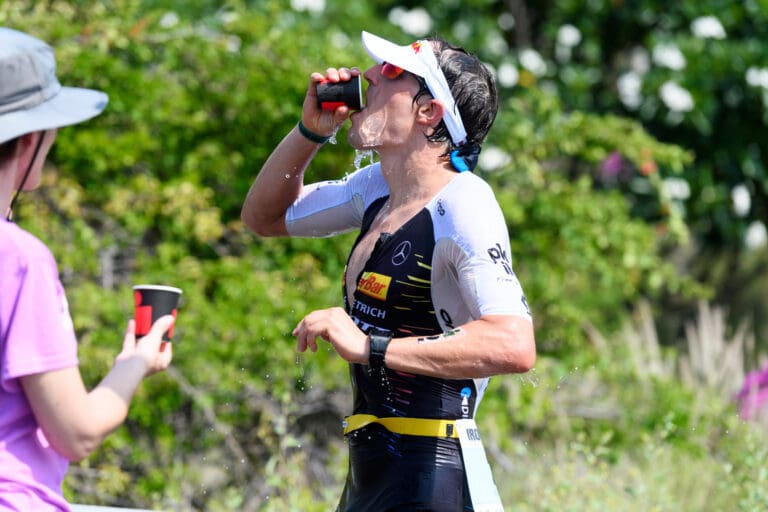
408 426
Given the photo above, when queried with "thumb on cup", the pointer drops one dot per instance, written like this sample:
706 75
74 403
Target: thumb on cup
161 326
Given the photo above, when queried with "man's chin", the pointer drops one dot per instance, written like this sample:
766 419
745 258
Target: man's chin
354 140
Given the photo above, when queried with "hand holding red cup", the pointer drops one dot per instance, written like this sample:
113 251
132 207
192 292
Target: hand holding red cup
331 95
152 301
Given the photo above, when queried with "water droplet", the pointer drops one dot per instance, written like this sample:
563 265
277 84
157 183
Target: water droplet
332 138
287 176
360 155
530 378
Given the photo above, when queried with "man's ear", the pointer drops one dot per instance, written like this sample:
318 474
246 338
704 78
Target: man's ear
431 113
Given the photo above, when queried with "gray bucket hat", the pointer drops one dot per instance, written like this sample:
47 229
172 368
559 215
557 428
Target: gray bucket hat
31 97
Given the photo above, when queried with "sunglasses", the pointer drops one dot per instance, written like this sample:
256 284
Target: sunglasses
390 71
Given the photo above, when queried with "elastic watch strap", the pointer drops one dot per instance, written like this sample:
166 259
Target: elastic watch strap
309 134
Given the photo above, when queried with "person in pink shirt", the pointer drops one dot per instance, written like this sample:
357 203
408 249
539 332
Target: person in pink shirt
47 416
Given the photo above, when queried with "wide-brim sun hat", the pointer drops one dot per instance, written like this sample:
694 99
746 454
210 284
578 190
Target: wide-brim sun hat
31 97
419 58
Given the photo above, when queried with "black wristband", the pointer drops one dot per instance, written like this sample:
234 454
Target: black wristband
306 132
379 341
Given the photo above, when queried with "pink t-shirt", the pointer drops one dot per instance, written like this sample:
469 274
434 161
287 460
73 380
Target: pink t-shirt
36 335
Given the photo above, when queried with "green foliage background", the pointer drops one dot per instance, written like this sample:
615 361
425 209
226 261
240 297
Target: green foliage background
151 191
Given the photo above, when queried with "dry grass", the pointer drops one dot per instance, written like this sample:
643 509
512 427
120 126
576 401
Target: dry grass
716 359
712 358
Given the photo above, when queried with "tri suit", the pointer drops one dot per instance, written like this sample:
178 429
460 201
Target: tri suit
446 266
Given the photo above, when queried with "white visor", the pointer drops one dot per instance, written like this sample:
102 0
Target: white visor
424 64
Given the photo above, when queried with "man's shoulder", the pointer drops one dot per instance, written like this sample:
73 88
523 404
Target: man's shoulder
467 192
474 180
467 203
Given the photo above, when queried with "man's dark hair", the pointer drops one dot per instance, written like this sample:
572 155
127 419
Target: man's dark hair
474 89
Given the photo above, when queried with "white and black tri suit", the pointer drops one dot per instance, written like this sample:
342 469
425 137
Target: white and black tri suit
447 265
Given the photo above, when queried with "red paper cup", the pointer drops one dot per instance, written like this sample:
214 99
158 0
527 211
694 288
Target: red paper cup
151 301
331 95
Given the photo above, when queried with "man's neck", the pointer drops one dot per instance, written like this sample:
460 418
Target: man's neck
416 179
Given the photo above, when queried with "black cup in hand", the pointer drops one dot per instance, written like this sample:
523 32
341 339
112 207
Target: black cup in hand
331 95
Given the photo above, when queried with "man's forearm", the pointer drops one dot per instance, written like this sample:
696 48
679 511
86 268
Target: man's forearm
278 184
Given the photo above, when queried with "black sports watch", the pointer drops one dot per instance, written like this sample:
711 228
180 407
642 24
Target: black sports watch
379 340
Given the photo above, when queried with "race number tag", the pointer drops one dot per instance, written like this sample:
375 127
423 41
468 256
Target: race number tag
482 489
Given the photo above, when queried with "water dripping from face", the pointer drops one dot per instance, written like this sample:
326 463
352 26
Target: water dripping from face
369 134
360 155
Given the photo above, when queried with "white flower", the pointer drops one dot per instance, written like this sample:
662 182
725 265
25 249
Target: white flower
416 22
757 77
340 39
630 86
742 202
756 235
532 61
677 188
507 75
568 36
233 44
314 6
462 30
496 44
639 60
669 56
492 158
169 19
227 17
708 27
675 97
506 21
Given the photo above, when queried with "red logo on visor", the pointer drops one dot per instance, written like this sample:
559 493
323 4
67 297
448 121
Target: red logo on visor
416 45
